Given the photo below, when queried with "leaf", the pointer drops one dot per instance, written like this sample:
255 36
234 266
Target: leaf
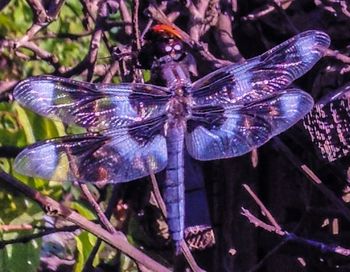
84 211
25 124
20 257
84 247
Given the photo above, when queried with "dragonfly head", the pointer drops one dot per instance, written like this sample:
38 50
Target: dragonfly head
163 44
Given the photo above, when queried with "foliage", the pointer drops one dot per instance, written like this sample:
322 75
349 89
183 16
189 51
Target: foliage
20 127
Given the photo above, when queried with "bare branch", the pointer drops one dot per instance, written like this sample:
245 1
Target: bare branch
275 227
126 17
225 39
264 210
28 238
53 208
267 9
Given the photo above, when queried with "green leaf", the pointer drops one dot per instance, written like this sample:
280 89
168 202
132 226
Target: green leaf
84 247
25 123
83 210
20 257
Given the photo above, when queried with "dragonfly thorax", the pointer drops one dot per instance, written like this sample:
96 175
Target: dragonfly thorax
179 106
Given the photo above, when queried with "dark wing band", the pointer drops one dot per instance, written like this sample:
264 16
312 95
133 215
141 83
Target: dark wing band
215 132
263 75
92 106
117 156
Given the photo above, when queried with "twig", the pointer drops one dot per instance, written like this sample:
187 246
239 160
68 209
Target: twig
9 228
184 248
53 208
337 55
75 170
267 9
7 85
28 238
97 208
189 257
259 223
225 39
44 55
89 61
136 45
108 213
111 71
126 17
289 236
265 211
335 7
281 9
158 195
197 19
42 18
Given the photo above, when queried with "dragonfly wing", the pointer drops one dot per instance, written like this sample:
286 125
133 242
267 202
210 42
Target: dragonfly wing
215 132
115 156
262 75
90 105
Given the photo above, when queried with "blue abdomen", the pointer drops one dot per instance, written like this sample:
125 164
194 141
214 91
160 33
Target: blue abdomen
173 192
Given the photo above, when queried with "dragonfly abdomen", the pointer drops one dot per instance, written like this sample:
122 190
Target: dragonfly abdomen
173 192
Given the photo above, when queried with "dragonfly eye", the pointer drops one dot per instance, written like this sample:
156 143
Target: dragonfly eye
168 48
178 47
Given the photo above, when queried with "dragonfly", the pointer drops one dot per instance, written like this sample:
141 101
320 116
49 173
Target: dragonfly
136 129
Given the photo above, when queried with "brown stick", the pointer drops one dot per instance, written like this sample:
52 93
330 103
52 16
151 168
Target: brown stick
184 248
264 210
97 209
53 208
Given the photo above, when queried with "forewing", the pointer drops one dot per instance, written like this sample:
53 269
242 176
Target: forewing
215 132
263 75
115 156
93 106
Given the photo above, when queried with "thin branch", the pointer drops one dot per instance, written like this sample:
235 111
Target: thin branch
267 9
264 210
225 39
126 17
136 44
89 61
259 223
108 213
53 208
28 238
274 227
111 71
104 220
184 248
44 55
42 18
289 236
157 195
7 85
10 228
337 55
